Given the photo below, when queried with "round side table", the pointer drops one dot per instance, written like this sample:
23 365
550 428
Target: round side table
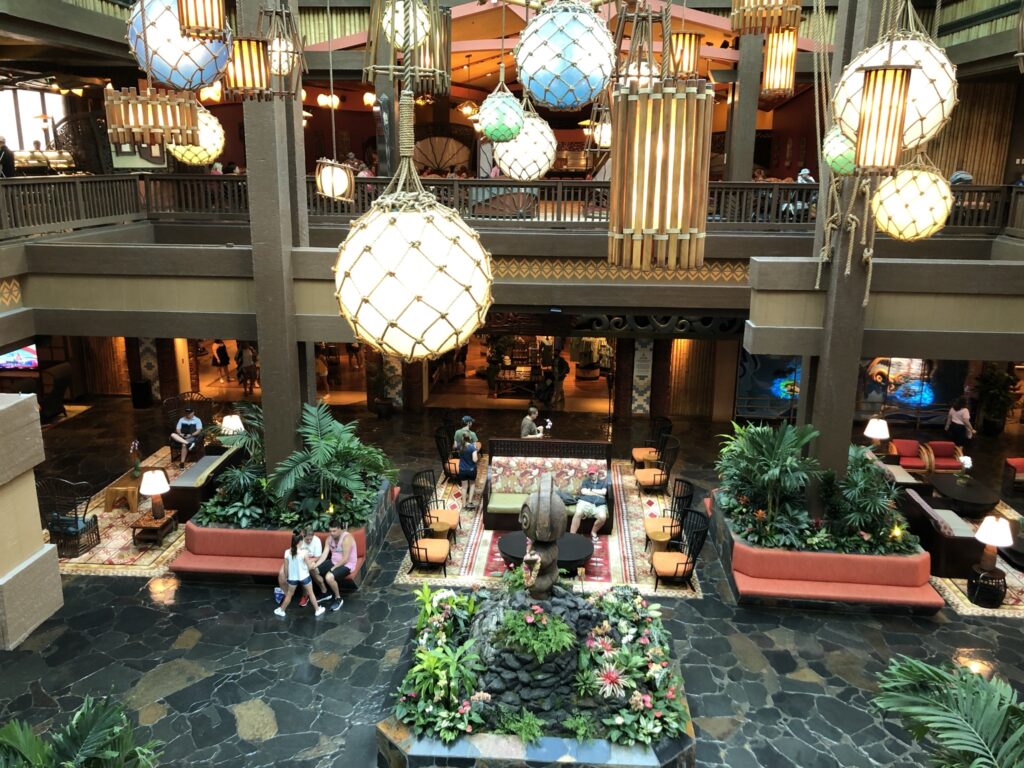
659 543
439 530
986 588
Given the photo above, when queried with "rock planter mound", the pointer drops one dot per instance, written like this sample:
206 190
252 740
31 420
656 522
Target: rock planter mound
577 679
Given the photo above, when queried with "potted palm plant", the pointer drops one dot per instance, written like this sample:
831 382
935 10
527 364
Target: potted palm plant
994 387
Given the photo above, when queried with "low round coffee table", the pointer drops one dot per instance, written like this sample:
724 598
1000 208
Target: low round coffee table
574 550
970 499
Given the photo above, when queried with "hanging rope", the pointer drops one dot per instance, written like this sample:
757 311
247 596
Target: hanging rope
330 79
936 21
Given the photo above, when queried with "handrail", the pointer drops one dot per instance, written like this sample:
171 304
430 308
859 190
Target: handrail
30 206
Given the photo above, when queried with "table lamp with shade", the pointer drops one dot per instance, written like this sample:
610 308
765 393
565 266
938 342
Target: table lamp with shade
231 424
154 483
877 430
993 532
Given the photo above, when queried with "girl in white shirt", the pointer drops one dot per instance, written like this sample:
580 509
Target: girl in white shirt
958 422
296 565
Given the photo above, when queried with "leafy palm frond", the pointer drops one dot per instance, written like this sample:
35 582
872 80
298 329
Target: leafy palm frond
20 747
972 722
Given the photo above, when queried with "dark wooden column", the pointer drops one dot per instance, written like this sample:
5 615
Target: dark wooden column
739 162
167 367
624 349
412 387
661 378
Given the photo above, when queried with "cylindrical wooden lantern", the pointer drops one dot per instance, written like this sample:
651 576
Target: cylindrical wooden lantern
758 17
151 117
661 156
202 18
686 54
248 73
779 64
883 108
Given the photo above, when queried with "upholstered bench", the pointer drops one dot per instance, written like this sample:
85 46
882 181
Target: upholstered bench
1013 472
196 484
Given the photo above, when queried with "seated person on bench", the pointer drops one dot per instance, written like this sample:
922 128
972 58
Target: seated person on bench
186 432
593 502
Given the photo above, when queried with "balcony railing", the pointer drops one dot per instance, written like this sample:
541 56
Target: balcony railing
60 203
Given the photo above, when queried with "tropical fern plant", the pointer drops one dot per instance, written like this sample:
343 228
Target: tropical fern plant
333 474
99 735
970 722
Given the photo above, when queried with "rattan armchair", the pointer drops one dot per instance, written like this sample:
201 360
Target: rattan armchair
64 513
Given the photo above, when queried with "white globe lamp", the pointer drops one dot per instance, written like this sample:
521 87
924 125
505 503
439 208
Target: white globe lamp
531 153
913 204
211 142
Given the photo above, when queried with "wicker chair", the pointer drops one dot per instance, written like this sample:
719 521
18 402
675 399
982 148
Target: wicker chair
655 474
424 552
424 486
449 463
174 409
64 512
679 561
671 519
654 445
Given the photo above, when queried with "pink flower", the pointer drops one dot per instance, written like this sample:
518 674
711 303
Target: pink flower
865 535
529 619
664 663
469 728
412 694
643 603
536 609
647 700
644 641
591 642
657 714
670 693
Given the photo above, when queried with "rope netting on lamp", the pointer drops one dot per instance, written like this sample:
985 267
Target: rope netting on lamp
412 277
757 17
501 115
170 57
210 146
660 160
531 153
838 151
930 91
565 55
914 203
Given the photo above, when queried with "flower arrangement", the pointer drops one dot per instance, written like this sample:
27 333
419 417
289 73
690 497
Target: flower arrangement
965 466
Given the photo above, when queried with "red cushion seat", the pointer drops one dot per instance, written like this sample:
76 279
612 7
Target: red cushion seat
1017 464
946 465
905 448
911 464
943 449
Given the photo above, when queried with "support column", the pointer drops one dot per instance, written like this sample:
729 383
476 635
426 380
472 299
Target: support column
727 357
739 162
30 589
624 349
307 372
661 378
805 405
414 385
835 385
643 363
275 159
166 369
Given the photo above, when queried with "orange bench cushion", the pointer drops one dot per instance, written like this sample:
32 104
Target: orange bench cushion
671 564
792 589
1017 464
661 525
640 455
943 448
432 550
648 478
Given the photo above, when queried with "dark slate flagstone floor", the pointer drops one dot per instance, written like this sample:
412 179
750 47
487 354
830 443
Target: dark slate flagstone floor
207 668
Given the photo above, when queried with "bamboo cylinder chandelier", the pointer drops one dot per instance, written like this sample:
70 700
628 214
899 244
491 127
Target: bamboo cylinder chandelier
883 110
760 17
779 63
660 163
248 73
151 117
417 33
685 59
202 18
412 277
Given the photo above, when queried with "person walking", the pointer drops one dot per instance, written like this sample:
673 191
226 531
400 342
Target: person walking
6 160
469 456
222 360
247 368
297 563
465 430
958 422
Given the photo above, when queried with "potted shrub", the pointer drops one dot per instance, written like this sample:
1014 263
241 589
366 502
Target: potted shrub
994 387
334 475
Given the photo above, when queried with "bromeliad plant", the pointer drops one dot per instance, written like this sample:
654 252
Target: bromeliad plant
333 475
445 616
764 477
970 722
436 694
537 633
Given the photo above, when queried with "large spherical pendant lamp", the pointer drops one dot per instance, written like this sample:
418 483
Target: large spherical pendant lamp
931 93
913 204
838 152
501 115
412 278
565 55
530 154
334 180
211 142
182 62
398 30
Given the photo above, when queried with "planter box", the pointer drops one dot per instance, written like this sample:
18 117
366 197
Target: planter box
397 747
892 581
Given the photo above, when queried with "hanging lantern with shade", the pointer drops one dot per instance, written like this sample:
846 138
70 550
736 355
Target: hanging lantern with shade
412 277
779 64
660 161
565 56
531 153
685 54
284 48
202 19
210 146
501 115
909 79
169 57
760 17
333 179
409 41
248 73
914 203
838 151
397 27
150 117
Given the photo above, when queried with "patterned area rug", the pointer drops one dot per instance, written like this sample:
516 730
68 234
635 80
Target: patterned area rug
954 591
618 558
115 555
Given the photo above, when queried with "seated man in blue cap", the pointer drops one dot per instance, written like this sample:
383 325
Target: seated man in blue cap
467 429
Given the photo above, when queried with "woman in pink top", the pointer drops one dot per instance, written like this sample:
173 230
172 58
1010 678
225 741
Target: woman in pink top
338 560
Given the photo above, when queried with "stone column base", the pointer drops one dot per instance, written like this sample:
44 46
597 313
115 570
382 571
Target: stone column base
29 594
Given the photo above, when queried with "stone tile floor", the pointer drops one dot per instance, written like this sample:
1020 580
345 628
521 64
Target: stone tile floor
207 668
